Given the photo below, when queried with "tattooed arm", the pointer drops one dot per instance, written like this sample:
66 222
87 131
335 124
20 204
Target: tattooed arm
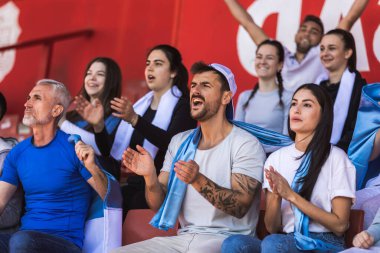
235 201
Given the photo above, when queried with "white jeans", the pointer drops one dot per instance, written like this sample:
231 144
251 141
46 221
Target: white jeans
189 243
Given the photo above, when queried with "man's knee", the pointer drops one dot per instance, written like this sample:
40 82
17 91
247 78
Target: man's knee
270 243
238 243
21 240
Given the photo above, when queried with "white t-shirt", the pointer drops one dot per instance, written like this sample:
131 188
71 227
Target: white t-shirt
337 178
264 110
239 152
297 73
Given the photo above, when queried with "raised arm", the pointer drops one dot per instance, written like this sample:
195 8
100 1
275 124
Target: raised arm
235 201
98 181
354 13
242 16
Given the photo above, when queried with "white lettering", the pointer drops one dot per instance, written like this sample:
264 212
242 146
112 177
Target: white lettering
330 16
289 16
376 43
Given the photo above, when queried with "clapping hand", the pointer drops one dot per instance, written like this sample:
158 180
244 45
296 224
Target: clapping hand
93 112
278 183
139 162
124 110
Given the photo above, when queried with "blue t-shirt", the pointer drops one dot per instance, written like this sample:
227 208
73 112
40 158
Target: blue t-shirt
57 195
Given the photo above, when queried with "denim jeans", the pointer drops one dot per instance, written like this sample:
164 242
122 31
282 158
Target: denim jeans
27 241
241 244
286 242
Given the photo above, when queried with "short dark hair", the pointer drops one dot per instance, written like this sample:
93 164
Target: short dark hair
201 67
315 19
3 105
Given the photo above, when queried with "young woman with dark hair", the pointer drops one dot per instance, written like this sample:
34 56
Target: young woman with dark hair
267 104
101 83
153 120
343 83
310 185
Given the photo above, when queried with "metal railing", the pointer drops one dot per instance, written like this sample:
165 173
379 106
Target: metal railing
49 42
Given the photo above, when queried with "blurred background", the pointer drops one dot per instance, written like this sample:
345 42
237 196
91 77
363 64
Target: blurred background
57 38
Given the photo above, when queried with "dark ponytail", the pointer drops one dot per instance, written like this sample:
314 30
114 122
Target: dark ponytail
251 95
181 78
280 88
349 43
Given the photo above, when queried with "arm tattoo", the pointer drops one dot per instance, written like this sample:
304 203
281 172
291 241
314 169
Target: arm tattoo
235 201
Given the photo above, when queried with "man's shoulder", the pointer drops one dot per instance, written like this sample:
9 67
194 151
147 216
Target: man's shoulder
21 146
240 135
180 137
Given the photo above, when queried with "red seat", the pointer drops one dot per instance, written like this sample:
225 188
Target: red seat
356 226
136 227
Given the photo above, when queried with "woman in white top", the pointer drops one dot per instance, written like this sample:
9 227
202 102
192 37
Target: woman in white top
308 203
267 104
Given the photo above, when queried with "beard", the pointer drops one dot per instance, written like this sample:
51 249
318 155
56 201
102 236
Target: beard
29 120
303 47
207 112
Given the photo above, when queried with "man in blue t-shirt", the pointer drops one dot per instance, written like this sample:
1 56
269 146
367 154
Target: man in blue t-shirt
56 177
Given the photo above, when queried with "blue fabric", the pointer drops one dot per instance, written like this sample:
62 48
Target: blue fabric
167 215
113 196
286 243
35 242
241 244
367 125
57 194
301 221
110 123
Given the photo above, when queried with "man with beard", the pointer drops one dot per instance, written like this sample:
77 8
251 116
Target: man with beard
57 185
222 179
303 66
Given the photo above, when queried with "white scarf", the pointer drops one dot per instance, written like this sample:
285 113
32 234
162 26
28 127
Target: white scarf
162 120
342 102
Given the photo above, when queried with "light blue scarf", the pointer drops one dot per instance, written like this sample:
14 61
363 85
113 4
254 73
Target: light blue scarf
301 221
110 123
367 125
167 215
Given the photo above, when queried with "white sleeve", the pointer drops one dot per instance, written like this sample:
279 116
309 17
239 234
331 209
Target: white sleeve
172 151
249 159
343 176
268 162
240 112
87 137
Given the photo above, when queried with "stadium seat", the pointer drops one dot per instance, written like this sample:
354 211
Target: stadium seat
356 226
136 227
